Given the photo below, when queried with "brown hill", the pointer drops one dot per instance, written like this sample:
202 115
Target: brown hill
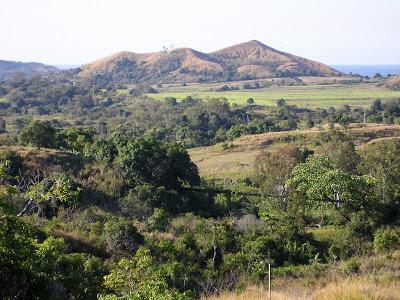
250 60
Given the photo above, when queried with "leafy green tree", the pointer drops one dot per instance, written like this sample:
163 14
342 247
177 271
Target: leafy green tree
18 273
3 91
281 103
381 161
38 134
235 132
147 160
321 182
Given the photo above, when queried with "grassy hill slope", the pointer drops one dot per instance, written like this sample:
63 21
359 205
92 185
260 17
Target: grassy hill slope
238 157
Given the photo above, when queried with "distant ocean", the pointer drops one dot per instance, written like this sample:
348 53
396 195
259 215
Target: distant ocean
66 67
368 70
365 70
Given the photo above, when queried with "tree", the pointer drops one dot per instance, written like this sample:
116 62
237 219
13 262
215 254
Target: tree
147 160
273 170
2 125
321 182
341 149
376 106
250 101
38 134
247 86
381 161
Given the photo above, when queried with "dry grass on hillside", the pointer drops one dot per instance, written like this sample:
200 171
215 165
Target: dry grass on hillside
357 288
378 279
238 159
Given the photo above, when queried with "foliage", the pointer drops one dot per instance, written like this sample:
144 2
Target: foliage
52 192
321 182
38 134
147 160
122 236
138 278
386 239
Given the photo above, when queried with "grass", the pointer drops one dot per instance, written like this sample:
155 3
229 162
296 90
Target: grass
3 99
358 288
237 161
311 96
378 278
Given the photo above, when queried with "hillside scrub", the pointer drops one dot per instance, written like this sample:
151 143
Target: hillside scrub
134 219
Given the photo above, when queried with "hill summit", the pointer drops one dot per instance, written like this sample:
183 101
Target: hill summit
250 60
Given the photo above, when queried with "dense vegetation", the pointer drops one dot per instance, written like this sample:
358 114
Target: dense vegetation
100 199
65 102
127 215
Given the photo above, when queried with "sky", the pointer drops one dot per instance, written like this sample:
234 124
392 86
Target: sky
80 31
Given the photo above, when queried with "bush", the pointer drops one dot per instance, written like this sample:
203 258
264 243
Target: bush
38 134
385 240
353 266
158 220
122 236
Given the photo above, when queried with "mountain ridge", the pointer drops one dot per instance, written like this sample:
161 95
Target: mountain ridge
248 60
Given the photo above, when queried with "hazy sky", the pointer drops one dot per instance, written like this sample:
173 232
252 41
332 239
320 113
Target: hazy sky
79 31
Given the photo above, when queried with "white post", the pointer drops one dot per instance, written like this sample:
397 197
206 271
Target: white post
269 280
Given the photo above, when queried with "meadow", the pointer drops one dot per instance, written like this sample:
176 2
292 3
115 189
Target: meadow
311 96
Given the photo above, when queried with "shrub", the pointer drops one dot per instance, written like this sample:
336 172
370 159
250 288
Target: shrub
385 240
38 134
158 220
122 236
353 266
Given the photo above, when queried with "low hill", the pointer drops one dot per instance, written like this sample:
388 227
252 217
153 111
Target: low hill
9 68
250 60
237 159
393 83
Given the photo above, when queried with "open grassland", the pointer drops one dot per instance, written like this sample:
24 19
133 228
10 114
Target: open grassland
378 279
237 159
311 96
356 288
3 99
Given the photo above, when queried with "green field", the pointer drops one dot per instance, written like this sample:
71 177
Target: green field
305 96
3 99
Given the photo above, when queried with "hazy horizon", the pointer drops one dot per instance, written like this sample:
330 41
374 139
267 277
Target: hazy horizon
74 32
